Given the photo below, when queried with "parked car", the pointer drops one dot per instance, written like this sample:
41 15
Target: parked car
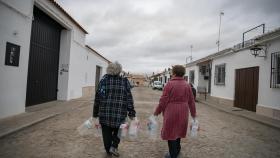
157 85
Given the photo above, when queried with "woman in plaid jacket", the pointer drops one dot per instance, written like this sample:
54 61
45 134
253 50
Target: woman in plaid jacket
112 104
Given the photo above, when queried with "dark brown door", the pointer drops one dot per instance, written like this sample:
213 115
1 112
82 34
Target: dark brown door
43 59
246 88
97 76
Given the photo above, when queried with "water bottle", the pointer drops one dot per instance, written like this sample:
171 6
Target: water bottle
152 127
194 128
98 128
123 130
88 123
133 128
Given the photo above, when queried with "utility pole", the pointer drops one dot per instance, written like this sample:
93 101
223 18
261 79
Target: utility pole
189 57
218 42
191 52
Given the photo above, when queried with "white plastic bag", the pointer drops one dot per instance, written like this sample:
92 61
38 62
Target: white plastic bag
133 128
122 133
194 128
86 128
152 127
89 127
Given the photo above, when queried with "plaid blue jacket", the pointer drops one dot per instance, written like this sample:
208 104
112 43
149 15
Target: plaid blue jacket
113 101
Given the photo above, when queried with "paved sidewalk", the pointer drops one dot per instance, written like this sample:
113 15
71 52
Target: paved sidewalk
38 113
241 112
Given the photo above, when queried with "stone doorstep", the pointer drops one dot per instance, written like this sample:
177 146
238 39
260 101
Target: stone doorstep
31 117
244 113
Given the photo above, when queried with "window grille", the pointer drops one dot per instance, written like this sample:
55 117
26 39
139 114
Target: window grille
220 74
275 70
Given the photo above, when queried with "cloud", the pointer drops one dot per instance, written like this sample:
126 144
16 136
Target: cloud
147 36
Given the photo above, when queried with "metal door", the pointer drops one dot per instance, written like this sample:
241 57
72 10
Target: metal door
43 59
246 88
97 76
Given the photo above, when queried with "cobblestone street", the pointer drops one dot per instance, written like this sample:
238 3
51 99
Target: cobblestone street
222 135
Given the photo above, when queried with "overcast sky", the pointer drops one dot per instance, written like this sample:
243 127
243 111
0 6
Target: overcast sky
150 35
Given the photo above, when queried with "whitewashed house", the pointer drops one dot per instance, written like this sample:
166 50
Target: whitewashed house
43 56
199 72
237 78
247 81
166 76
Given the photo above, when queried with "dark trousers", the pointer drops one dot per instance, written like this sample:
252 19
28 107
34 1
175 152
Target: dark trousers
110 137
174 147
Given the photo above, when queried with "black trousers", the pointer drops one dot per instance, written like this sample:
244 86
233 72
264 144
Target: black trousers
110 137
174 147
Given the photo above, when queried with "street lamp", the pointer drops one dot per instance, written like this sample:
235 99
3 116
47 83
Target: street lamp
218 42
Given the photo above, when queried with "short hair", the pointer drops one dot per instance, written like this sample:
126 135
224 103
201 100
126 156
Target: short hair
178 70
114 68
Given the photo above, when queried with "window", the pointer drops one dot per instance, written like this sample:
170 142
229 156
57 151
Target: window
220 74
275 70
191 76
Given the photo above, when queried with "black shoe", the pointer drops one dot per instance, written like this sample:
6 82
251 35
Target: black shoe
167 155
114 151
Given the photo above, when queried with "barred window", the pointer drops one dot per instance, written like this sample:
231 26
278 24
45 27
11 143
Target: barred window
220 74
191 76
275 70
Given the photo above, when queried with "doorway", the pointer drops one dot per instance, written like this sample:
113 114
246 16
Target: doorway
246 88
43 59
97 76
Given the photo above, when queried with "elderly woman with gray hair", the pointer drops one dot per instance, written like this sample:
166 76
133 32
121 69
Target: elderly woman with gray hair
113 102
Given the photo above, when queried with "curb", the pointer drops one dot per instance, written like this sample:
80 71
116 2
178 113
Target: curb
27 125
240 115
22 127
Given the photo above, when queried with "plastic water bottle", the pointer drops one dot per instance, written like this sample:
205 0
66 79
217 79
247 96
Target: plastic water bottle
152 127
88 123
194 128
123 130
133 128
98 128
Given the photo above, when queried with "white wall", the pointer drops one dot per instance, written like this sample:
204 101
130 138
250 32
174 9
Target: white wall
268 97
83 64
15 27
194 68
64 58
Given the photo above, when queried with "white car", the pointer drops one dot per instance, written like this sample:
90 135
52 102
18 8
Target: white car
157 85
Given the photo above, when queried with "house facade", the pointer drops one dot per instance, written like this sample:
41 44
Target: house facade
43 56
237 78
249 82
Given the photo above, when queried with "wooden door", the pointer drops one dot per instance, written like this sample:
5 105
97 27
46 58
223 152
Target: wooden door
246 88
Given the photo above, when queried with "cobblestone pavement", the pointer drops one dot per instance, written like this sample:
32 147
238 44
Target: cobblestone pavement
222 135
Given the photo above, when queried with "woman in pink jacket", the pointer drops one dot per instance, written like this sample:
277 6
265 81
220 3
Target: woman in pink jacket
175 103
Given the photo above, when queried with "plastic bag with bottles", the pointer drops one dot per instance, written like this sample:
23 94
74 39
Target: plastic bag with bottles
90 127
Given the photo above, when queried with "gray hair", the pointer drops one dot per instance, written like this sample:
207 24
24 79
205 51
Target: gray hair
114 68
